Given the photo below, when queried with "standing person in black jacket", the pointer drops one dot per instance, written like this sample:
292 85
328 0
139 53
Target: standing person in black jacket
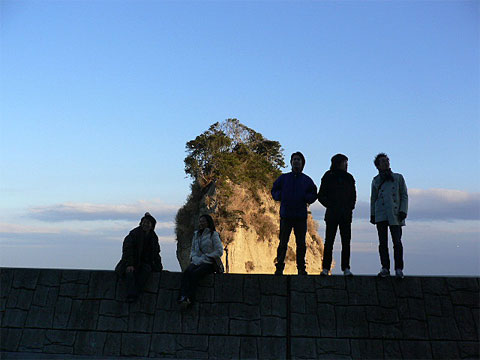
337 193
140 256
294 190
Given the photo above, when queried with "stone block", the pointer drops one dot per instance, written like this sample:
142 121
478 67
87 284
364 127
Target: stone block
62 312
381 315
102 285
412 309
223 347
170 281
367 349
49 277
415 349
438 305
90 343
304 325
385 331
244 312
444 350
145 303
14 318
32 340
303 348
45 296
442 328
414 329
326 320
167 299
113 308
163 346
74 290
434 286
391 349
75 277
469 350
111 323
273 305
205 294
409 287
385 285
10 339
190 318
59 341
465 298
271 348
244 327
248 348
303 303
273 285
273 326
466 323
167 322
302 284
140 322
40 317
229 290
6 280
333 349
192 346
135 344
387 299
463 283
361 291
84 315
20 299
329 282
113 344
251 291
25 278
153 283
351 321
332 296
214 319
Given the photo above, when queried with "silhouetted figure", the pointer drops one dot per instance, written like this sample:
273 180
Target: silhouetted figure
337 193
294 190
206 251
388 209
140 256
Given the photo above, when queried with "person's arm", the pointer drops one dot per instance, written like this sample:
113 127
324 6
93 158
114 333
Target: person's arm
323 192
217 246
311 193
354 194
277 189
157 259
128 252
373 199
403 208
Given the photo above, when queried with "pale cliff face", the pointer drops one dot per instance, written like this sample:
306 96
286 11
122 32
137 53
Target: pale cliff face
252 247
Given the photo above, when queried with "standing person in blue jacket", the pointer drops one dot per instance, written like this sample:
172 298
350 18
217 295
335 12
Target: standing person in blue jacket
294 190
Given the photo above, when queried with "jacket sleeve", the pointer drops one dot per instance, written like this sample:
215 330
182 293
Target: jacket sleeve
128 250
277 189
192 250
157 259
354 194
217 246
403 195
323 192
311 193
373 198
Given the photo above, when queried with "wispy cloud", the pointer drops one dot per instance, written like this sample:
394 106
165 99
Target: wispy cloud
91 212
429 204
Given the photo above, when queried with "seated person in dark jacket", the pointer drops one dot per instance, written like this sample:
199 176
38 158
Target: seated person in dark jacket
337 193
140 256
294 190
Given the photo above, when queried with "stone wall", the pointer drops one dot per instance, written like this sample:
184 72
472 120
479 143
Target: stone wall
79 312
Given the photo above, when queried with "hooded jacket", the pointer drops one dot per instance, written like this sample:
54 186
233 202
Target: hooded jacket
338 194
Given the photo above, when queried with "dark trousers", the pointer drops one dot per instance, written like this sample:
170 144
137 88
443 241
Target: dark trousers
191 276
396 232
137 279
345 235
299 227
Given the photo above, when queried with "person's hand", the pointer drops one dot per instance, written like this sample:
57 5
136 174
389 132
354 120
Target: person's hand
372 219
130 269
402 216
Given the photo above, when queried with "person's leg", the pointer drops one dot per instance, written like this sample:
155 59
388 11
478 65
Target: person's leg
330 232
285 230
198 273
186 280
396 232
300 230
382 229
346 236
142 275
132 291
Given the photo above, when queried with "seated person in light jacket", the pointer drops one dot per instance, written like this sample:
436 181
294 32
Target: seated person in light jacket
206 246
140 256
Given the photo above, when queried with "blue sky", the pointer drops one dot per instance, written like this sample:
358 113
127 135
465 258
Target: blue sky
98 99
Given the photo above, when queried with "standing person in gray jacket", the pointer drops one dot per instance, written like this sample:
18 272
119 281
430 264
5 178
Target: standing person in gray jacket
388 209
206 246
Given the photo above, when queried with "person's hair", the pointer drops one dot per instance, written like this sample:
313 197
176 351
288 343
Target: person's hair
211 224
298 153
378 157
337 160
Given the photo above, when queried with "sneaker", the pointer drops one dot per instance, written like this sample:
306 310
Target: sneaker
185 303
399 274
347 272
384 272
302 272
324 272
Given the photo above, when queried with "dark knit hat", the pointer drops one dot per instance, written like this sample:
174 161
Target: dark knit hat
149 218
